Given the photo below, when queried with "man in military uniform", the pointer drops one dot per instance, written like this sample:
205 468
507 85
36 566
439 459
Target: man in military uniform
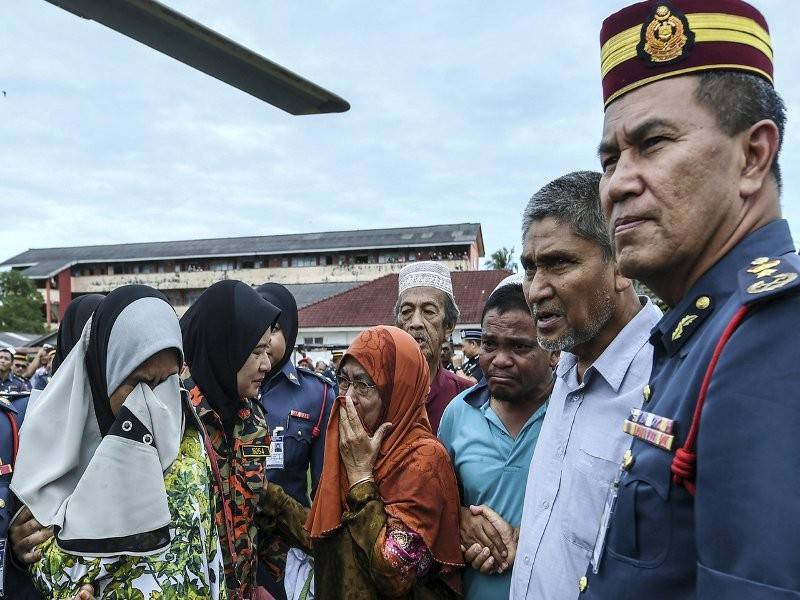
9 382
471 343
20 366
706 502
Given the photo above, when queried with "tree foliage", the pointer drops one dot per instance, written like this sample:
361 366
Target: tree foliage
20 304
502 258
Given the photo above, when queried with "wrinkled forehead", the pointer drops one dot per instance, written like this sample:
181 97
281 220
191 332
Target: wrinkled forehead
419 296
671 100
353 369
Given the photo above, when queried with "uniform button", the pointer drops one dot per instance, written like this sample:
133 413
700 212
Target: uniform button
2 503
646 391
583 584
628 460
703 302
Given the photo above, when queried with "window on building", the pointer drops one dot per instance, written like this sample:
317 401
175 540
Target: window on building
248 264
285 262
361 259
313 341
304 261
328 260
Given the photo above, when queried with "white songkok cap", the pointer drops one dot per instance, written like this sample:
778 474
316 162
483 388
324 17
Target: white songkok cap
511 279
425 273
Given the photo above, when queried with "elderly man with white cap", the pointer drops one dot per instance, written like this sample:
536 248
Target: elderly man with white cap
427 310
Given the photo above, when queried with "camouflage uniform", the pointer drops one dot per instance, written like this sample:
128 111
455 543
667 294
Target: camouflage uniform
247 504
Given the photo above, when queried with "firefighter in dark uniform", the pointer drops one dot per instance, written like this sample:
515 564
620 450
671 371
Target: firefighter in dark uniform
706 504
471 345
297 403
14 579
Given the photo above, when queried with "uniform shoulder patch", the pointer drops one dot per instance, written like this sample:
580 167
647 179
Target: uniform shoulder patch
766 277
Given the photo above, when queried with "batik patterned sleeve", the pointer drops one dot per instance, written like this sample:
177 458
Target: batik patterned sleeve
397 556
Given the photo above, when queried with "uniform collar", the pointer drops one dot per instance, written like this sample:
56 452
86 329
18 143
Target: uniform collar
477 395
717 285
613 363
290 372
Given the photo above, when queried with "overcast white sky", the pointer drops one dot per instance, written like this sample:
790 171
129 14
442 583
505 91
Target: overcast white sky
460 112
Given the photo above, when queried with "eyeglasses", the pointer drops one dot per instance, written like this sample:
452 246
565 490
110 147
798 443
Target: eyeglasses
360 387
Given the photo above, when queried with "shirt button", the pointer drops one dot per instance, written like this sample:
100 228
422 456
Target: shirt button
627 460
546 504
527 560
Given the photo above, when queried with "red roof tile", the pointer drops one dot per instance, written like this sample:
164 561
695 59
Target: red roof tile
373 303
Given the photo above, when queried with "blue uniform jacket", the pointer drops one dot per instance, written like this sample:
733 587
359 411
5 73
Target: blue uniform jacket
17 584
737 538
293 399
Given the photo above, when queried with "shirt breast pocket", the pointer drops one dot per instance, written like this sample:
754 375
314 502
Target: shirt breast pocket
591 479
642 522
297 445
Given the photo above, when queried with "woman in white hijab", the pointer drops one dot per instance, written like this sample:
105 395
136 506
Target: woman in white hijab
112 457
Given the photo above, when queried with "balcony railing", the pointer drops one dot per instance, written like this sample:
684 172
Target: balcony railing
286 275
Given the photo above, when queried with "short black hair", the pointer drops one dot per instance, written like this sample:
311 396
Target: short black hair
573 199
506 299
740 100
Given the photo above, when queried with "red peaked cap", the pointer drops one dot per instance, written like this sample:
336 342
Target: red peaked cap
653 40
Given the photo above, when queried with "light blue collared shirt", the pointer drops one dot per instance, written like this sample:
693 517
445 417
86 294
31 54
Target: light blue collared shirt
492 468
577 456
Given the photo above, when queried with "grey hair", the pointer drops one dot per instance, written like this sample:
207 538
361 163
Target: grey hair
739 100
573 199
451 312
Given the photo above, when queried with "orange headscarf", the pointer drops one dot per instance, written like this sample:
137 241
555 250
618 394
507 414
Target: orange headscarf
413 472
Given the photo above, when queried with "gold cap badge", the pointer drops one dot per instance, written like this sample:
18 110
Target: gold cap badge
666 37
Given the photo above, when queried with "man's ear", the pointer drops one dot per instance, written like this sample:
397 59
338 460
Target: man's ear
621 283
759 145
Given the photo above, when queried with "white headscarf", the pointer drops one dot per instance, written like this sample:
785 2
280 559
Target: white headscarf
105 495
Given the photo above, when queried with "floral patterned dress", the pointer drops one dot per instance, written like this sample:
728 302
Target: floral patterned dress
374 556
190 568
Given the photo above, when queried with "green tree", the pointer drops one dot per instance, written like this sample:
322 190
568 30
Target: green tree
20 304
502 259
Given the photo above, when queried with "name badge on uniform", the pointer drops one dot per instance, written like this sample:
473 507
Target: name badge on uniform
275 459
655 437
255 451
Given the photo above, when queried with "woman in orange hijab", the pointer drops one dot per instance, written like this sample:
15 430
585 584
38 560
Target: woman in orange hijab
384 522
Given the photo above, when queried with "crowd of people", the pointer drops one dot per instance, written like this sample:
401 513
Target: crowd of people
590 445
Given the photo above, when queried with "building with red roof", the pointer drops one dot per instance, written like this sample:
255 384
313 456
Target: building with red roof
337 320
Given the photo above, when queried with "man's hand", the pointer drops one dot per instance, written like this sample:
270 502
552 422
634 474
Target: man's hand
357 448
477 530
25 534
480 557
